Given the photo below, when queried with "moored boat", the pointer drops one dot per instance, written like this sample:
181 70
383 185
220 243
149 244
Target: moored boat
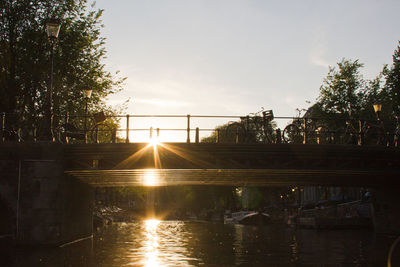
256 218
249 218
348 215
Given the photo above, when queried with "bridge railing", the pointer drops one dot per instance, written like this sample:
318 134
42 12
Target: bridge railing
259 128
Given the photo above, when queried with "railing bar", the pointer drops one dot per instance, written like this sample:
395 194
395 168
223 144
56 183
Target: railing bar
162 129
216 116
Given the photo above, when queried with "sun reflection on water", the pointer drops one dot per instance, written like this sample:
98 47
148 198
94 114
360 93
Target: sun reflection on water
151 244
161 243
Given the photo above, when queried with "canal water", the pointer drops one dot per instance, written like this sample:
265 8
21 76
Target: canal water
179 243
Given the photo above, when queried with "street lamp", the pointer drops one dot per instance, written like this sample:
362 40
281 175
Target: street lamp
52 28
88 93
378 109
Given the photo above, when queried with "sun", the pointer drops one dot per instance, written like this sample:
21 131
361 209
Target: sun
155 141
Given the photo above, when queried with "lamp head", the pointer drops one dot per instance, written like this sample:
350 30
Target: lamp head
88 92
53 28
377 107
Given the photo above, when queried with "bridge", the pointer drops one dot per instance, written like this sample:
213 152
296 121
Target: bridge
217 164
233 164
50 185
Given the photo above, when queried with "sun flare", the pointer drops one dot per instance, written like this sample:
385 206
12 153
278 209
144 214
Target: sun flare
155 141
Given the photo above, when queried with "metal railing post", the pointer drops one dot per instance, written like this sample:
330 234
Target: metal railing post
151 133
66 119
278 136
96 141
197 135
34 134
218 136
158 133
127 129
305 131
3 126
360 140
247 124
188 129
19 135
114 135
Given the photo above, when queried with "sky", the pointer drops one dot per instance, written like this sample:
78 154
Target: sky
234 57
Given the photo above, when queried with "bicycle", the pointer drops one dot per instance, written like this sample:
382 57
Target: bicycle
9 134
256 127
100 132
370 134
306 130
374 134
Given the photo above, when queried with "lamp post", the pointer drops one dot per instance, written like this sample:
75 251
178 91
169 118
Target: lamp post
88 93
52 28
378 109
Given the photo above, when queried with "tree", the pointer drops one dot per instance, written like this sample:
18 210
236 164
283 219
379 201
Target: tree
78 55
392 84
342 89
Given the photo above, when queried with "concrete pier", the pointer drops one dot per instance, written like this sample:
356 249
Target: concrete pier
386 210
44 206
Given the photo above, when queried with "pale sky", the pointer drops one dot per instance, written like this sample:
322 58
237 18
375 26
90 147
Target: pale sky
232 57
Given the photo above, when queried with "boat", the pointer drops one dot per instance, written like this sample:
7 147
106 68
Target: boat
235 217
256 218
348 215
247 218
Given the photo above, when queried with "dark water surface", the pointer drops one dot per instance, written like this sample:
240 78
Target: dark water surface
178 243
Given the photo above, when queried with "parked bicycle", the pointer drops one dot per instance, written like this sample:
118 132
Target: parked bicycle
8 133
365 133
303 129
100 132
256 127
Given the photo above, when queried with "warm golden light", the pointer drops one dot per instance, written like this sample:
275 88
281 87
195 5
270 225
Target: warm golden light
151 243
160 243
152 224
377 107
150 178
155 141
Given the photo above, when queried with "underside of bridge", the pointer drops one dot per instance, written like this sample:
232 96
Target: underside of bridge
232 164
230 177
141 164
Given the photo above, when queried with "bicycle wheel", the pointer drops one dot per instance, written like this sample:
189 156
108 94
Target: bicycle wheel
100 133
268 136
346 135
292 134
61 137
235 133
374 135
396 137
11 135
